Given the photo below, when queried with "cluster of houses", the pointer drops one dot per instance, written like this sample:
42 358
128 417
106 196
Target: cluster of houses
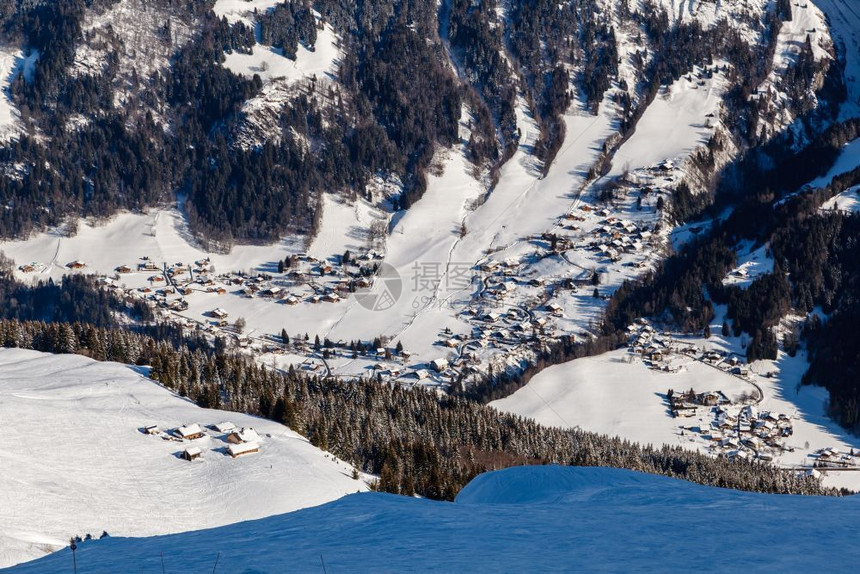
742 431
239 441
615 237
687 403
517 311
833 458
302 278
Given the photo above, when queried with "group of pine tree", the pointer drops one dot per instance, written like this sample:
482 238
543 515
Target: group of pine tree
407 71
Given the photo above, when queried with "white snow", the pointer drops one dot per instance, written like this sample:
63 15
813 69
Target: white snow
346 226
270 63
75 460
12 63
843 17
616 394
242 10
526 519
847 201
613 394
849 159
675 124
161 234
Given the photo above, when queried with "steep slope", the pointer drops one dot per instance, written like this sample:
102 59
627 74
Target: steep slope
521 519
75 460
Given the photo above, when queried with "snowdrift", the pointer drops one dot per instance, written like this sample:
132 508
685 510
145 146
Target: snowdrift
523 519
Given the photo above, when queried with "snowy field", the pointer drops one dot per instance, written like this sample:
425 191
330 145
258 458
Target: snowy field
681 118
270 63
162 235
242 10
526 519
75 461
847 201
849 159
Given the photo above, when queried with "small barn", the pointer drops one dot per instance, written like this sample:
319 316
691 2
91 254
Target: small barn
439 365
235 450
244 435
189 432
192 453
226 426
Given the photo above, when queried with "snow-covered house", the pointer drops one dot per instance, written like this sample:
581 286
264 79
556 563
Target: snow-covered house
244 435
235 450
189 432
439 365
192 453
226 426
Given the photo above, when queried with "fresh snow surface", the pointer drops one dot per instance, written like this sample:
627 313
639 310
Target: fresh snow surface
526 519
675 124
75 461
847 201
270 63
12 63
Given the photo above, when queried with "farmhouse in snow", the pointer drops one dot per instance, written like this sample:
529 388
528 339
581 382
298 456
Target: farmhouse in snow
243 448
189 432
242 436
192 453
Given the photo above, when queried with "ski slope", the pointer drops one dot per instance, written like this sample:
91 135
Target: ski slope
526 519
74 460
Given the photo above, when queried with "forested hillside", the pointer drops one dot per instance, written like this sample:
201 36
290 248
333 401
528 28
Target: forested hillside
130 104
415 442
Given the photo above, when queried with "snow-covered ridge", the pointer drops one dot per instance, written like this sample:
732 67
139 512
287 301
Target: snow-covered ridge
515 520
76 460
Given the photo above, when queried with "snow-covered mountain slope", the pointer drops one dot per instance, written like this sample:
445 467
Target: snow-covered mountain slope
516 520
843 18
12 63
74 459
